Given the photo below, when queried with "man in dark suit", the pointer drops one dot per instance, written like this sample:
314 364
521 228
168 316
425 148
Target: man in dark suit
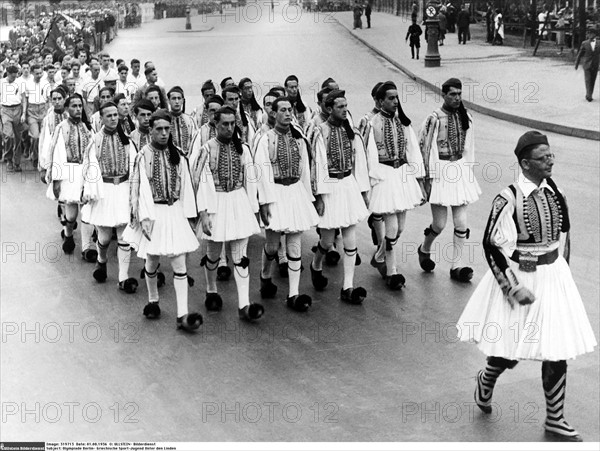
589 56
463 21
368 13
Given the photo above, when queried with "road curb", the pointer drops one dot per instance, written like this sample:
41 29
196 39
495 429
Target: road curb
524 121
199 30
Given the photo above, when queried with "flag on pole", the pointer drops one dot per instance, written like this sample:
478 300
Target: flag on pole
54 32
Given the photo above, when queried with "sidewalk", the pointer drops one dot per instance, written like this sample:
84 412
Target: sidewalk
501 81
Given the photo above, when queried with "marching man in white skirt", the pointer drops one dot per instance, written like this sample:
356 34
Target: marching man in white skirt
529 295
205 133
162 201
64 170
340 185
224 177
448 146
143 112
53 118
285 198
395 163
109 163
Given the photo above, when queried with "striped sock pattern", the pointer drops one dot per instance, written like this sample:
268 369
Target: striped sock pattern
486 380
554 376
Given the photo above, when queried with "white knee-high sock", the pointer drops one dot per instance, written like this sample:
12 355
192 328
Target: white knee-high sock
460 236
223 256
87 231
349 265
152 283
180 284
242 282
124 256
390 255
281 254
294 275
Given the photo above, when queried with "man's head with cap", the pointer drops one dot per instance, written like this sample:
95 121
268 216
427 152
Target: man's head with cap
224 119
387 94
213 104
452 93
375 89
321 95
534 156
227 82
231 96
291 86
111 80
336 105
143 112
176 99
330 83
208 89
268 100
529 141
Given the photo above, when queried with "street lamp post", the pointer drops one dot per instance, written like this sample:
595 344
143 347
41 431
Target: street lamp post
188 19
432 24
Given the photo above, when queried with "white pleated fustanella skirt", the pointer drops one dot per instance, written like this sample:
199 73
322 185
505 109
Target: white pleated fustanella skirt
110 211
399 191
171 235
234 218
453 183
292 211
555 327
71 187
344 205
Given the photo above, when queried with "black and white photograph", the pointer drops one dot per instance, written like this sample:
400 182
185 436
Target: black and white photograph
299 224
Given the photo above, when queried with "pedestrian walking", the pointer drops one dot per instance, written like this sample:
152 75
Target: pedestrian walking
162 201
463 22
560 31
227 198
183 127
357 11
368 13
108 165
529 284
448 146
589 57
489 23
395 163
285 198
340 185
413 36
13 94
64 174
498 28
442 20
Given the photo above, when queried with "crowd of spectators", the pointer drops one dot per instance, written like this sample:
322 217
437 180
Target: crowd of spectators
89 31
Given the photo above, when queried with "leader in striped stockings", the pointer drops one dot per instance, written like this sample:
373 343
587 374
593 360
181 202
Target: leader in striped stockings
529 284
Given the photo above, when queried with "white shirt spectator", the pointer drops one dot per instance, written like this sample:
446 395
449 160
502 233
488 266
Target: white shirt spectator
79 82
25 80
129 88
92 87
37 93
133 79
111 70
11 93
